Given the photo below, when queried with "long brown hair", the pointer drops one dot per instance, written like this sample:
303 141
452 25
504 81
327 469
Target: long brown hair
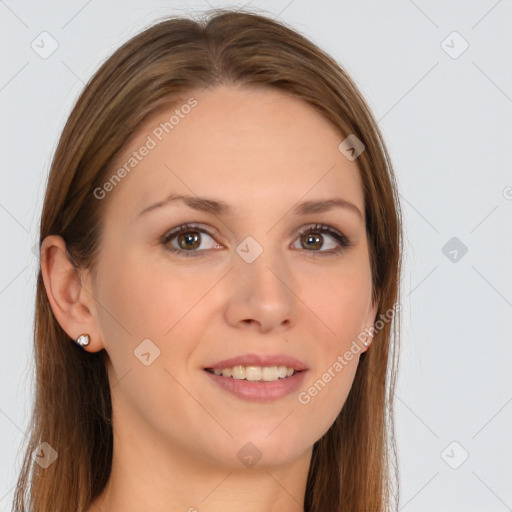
353 466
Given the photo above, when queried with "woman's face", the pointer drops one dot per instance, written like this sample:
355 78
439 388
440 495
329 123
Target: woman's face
244 280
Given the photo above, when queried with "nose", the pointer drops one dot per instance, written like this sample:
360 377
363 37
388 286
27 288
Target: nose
261 295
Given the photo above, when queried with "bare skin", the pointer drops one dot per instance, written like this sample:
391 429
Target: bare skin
176 433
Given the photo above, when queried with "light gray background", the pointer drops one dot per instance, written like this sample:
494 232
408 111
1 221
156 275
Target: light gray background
447 123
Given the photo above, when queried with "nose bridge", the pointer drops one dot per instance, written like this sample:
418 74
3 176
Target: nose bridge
260 283
260 265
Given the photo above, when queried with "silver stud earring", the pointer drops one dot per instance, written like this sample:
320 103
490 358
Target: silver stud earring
368 343
83 340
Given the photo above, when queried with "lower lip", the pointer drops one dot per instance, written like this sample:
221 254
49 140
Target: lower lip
259 391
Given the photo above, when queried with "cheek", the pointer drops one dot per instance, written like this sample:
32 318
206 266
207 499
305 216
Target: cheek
144 298
340 301
323 397
143 301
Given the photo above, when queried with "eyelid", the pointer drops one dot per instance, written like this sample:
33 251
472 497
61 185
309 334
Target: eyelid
190 226
318 226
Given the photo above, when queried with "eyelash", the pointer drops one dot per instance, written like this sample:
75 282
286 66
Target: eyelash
316 228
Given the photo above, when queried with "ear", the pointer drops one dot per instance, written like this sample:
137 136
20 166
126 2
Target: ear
73 305
369 324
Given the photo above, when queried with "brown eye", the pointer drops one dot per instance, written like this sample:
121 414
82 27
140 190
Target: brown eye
189 240
313 239
186 240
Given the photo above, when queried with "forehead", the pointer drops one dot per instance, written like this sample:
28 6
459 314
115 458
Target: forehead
235 143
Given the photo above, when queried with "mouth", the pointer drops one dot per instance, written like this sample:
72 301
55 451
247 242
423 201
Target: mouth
258 377
256 383
255 373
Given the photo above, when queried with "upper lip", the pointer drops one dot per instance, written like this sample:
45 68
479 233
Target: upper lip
260 360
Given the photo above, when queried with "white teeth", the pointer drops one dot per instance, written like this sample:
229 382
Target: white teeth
239 372
270 373
256 373
253 372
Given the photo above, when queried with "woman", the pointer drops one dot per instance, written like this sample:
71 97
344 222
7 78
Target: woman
221 240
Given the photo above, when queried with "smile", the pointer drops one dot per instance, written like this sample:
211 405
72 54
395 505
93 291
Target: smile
254 373
257 390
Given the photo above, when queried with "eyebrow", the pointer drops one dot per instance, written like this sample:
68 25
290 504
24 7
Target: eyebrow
218 207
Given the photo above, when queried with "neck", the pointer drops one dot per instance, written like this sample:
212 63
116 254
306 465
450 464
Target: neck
148 473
